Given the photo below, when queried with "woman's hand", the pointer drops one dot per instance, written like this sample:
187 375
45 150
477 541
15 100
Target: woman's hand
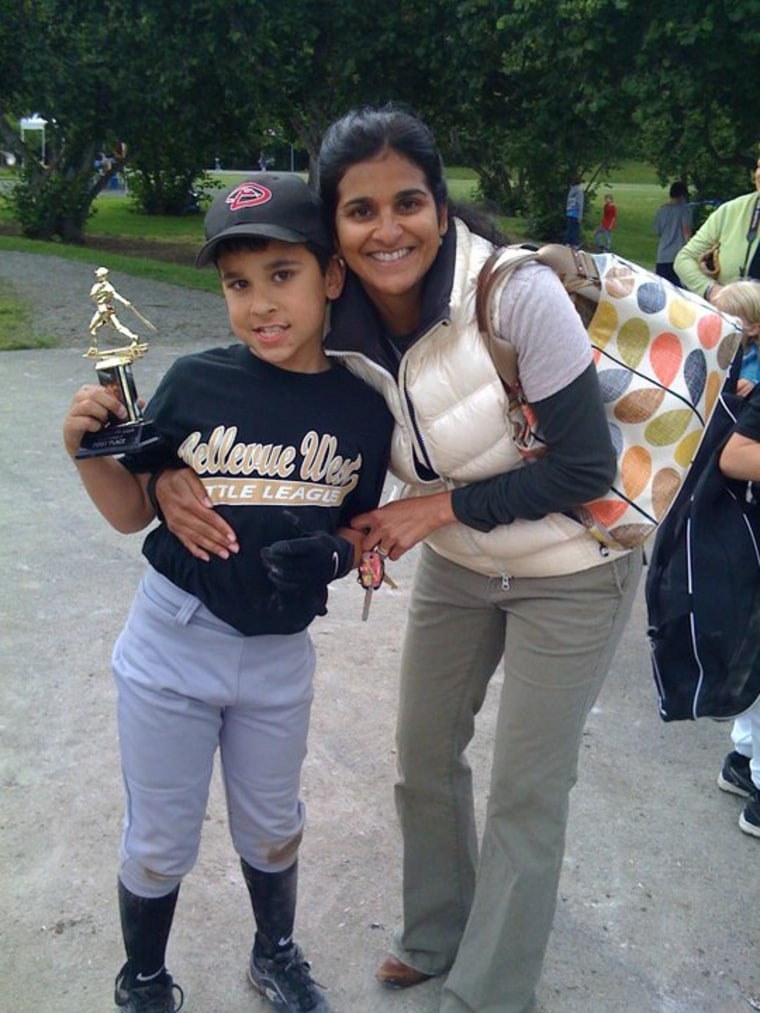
398 526
189 514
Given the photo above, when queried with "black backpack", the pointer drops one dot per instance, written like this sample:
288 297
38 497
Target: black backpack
703 586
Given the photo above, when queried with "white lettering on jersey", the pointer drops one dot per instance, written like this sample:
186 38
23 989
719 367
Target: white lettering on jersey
321 464
242 492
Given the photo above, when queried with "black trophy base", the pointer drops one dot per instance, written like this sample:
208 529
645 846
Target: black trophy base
128 438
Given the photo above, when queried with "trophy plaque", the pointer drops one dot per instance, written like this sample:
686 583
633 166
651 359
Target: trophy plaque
114 369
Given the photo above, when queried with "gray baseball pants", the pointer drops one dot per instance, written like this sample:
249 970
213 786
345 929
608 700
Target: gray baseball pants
189 684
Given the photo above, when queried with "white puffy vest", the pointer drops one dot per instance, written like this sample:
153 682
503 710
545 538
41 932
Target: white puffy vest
451 412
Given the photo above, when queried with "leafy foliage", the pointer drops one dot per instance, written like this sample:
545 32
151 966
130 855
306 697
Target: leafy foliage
694 117
528 93
546 103
173 108
54 194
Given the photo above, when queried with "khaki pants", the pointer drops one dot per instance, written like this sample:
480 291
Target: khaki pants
486 919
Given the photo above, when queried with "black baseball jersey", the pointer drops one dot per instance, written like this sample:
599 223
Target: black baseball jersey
269 445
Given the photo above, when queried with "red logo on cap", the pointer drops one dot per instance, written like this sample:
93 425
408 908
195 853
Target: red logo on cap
248 195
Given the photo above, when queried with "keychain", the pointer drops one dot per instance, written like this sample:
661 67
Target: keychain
372 576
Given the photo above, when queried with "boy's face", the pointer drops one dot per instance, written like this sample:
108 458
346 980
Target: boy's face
276 302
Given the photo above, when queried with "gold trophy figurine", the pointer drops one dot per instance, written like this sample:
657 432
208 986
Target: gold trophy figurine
114 369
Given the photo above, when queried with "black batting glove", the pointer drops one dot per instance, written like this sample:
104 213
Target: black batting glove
315 560
306 602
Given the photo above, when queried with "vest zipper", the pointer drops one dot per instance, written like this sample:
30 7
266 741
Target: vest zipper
419 448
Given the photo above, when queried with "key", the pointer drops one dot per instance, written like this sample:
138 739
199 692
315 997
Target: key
367 603
371 576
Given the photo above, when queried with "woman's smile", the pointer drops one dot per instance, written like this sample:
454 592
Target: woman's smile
389 233
389 257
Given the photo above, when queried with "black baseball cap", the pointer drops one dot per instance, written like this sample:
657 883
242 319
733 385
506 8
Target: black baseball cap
270 205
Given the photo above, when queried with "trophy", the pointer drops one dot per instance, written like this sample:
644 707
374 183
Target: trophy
114 369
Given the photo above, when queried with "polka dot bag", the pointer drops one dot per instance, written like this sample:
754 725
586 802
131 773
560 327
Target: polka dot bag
661 354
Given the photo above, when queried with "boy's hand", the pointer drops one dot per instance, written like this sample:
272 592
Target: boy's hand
308 602
88 413
302 567
311 562
190 515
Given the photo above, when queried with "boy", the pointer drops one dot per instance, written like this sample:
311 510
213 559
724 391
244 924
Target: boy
603 234
672 226
574 213
217 654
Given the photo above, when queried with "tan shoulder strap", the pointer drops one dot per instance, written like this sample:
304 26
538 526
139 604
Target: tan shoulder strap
576 270
501 263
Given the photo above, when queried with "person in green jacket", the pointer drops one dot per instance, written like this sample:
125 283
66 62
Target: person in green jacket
725 248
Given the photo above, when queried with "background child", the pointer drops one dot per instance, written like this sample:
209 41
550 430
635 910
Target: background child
574 213
603 234
742 299
216 654
672 226
740 459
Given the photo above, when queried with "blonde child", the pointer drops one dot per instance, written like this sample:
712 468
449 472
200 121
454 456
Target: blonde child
742 299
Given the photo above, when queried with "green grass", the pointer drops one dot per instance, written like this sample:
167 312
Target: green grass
138 266
634 186
460 172
16 323
632 172
637 195
115 216
462 188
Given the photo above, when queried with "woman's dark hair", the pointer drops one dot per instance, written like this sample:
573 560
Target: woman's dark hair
364 133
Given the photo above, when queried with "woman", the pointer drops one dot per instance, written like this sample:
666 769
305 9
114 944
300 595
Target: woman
725 248
505 569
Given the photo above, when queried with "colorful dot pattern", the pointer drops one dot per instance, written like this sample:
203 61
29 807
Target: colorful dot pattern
661 356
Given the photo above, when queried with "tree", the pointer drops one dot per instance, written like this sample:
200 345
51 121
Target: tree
60 68
307 62
150 76
527 92
180 81
177 87
695 118
543 101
